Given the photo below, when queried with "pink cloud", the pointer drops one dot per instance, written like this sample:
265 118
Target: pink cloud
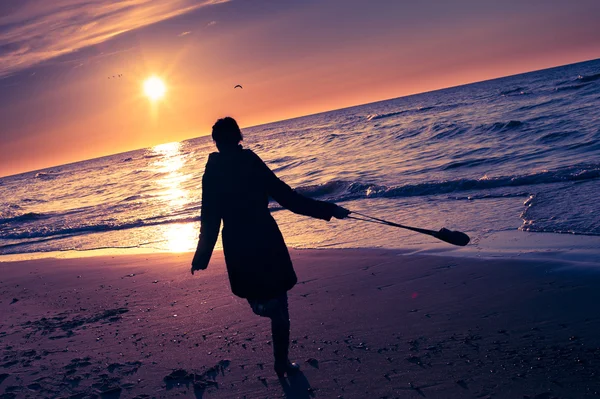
39 30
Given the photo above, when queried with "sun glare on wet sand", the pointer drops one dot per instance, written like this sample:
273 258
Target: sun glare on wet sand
154 88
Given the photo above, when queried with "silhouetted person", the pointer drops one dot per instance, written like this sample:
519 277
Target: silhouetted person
235 188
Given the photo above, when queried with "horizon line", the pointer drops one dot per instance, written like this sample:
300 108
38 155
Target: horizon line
314 114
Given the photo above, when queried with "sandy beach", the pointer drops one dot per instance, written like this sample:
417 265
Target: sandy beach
365 324
431 168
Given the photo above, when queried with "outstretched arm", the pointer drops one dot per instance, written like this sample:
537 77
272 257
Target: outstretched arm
210 223
295 202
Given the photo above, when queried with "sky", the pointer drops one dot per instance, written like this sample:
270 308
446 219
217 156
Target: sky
62 100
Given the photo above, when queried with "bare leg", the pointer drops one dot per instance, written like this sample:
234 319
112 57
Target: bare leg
277 310
280 330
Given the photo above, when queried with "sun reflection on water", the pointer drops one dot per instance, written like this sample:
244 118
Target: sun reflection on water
168 165
181 237
172 196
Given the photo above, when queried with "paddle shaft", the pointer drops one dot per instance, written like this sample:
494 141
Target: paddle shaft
381 221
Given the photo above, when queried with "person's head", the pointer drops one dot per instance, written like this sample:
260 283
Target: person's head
226 133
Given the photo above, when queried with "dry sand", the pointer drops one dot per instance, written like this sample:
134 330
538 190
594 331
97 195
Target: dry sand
365 324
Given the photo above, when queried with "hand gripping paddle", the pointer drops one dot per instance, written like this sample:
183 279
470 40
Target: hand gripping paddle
452 237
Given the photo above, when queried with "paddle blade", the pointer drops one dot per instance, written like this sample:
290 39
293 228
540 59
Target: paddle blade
452 237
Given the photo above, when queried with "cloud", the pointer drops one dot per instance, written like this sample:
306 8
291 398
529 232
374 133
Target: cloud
184 33
211 23
38 30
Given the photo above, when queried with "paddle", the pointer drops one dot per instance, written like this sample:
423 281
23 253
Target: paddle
452 237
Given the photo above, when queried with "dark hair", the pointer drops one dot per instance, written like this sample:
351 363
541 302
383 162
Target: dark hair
226 132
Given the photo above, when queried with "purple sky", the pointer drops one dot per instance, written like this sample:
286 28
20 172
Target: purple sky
57 104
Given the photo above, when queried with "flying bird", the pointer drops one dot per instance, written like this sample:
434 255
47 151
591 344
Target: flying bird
236 86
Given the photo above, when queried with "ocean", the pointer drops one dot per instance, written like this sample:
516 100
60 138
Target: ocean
516 154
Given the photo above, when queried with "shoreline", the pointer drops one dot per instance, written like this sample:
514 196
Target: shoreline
569 248
365 323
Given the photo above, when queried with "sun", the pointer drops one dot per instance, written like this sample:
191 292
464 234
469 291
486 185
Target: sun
154 88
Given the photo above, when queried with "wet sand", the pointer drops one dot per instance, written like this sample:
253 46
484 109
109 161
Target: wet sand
365 324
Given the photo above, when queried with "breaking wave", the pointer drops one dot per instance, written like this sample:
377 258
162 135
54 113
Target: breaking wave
336 190
26 217
517 91
589 78
46 176
343 191
48 231
372 117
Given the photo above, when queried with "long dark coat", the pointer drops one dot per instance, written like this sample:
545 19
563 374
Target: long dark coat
235 188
